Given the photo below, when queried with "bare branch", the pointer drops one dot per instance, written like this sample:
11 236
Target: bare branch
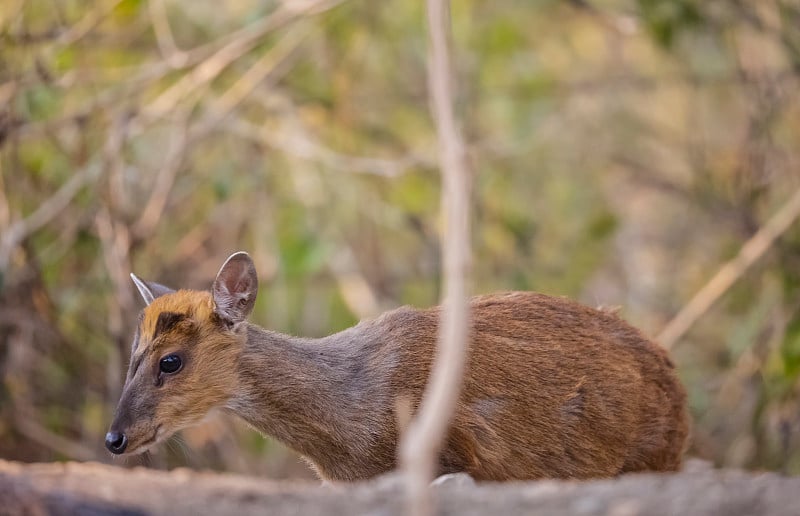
116 245
86 24
729 273
114 162
271 66
10 13
356 291
38 433
174 56
46 212
420 448
296 141
212 67
5 208
151 214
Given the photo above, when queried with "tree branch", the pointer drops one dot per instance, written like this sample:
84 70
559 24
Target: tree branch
47 211
420 449
271 66
166 41
212 67
729 273
151 214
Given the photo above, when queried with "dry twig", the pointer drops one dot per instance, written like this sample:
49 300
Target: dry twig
729 273
151 214
212 67
174 56
420 448
86 24
293 139
272 66
48 210
41 435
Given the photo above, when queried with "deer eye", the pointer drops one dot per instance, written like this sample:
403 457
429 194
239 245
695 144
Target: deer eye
170 364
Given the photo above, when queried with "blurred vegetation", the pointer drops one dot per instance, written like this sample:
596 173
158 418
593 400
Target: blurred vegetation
623 150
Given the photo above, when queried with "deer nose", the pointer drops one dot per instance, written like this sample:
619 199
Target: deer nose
116 442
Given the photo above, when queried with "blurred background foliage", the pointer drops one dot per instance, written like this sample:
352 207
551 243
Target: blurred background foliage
623 150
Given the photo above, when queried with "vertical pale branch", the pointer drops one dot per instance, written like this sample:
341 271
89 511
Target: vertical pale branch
420 448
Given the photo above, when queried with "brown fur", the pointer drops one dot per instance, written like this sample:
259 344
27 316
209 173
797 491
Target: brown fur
552 389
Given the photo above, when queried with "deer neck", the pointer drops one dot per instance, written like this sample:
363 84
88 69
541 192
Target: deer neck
300 391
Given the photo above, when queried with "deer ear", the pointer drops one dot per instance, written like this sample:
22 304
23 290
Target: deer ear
150 290
235 288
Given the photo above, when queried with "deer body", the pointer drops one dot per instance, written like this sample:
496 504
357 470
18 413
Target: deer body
552 389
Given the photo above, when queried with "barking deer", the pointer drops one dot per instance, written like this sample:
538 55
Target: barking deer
552 389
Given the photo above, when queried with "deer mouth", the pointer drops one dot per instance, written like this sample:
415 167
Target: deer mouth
146 444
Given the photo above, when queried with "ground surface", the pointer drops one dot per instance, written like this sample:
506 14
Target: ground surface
76 488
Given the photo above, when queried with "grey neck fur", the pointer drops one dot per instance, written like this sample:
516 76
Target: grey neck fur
311 394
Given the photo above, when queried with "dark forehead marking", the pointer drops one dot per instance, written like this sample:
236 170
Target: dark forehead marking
166 321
